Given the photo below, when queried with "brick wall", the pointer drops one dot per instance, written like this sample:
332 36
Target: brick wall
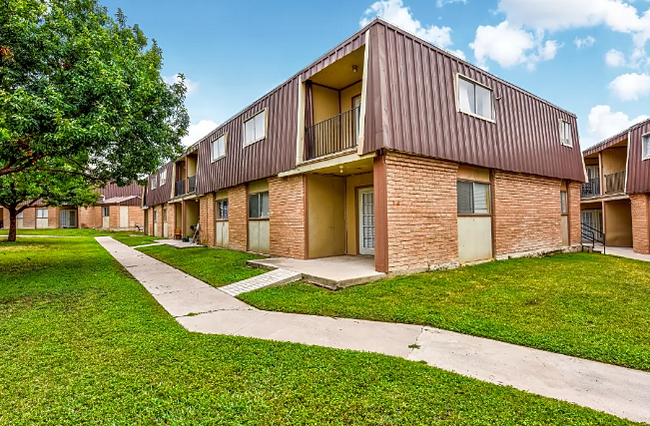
114 217
149 214
575 221
52 217
421 205
29 218
287 216
238 218
527 213
641 223
90 217
159 224
206 219
136 215
171 220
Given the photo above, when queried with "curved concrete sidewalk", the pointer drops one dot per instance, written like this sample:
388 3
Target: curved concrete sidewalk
616 390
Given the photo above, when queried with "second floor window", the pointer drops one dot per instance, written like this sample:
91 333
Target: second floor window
565 133
475 99
218 148
255 128
153 181
645 141
163 177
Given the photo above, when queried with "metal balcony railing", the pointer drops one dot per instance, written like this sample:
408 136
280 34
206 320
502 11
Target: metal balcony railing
191 184
591 188
615 183
333 135
180 188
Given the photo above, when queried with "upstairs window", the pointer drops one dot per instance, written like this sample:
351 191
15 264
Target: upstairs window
163 177
255 128
645 141
218 148
153 181
41 213
222 209
473 198
565 134
475 99
258 205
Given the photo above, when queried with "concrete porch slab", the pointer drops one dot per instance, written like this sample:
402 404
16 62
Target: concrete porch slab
627 252
330 272
178 244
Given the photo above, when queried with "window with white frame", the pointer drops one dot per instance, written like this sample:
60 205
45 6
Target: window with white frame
154 180
41 213
564 207
645 142
222 209
218 148
474 98
473 198
163 177
565 133
258 205
19 215
106 211
255 128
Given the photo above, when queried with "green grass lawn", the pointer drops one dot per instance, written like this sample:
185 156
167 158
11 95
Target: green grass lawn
214 266
586 305
130 238
82 343
133 238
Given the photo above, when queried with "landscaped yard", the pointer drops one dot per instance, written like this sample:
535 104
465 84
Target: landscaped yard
586 305
83 343
214 266
130 238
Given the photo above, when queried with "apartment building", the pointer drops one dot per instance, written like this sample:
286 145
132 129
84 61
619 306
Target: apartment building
386 146
614 201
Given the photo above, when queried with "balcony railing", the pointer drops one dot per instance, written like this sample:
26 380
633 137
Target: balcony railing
180 188
333 135
591 188
191 184
615 183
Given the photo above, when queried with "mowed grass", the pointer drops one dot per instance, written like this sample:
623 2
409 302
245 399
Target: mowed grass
586 305
131 238
214 266
83 343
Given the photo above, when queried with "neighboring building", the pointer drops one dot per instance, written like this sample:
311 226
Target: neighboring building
119 208
615 200
389 147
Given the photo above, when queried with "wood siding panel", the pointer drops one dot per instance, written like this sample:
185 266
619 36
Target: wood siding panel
638 179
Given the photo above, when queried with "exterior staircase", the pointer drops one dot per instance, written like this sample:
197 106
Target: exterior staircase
593 240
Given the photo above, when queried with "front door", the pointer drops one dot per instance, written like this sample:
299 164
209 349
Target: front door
366 199
68 219
124 217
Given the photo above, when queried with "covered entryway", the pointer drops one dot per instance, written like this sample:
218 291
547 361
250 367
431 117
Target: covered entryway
191 217
165 226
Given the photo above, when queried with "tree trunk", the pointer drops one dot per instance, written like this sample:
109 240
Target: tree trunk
12 225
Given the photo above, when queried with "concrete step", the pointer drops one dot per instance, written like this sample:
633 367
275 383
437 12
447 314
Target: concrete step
276 277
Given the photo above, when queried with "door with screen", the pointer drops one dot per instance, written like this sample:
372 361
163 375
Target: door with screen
366 199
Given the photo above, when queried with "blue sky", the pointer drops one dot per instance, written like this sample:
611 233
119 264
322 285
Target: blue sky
587 56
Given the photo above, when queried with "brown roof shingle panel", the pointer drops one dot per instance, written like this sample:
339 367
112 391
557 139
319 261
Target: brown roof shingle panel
412 108
161 194
638 170
111 190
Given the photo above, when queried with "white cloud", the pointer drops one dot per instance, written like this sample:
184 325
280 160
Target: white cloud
442 3
584 42
197 131
192 86
399 15
603 122
630 87
615 58
509 46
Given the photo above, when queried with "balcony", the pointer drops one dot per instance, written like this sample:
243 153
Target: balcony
591 188
191 184
180 188
333 135
615 183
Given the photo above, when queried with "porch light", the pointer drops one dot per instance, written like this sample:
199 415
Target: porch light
355 69
341 169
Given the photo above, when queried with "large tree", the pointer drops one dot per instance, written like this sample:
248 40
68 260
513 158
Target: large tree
21 190
79 86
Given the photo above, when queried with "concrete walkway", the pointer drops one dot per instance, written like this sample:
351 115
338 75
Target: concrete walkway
627 252
615 390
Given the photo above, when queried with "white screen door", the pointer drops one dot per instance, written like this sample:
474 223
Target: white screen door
366 221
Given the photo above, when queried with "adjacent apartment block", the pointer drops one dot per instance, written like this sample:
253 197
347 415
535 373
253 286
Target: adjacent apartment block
119 208
386 146
615 200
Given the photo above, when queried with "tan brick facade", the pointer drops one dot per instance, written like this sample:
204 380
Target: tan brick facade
641 223
238 218
575 221
90 217
527 213
206 219
422 219
171 220
287 227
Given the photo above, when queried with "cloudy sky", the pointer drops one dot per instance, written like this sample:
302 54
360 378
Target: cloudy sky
587 56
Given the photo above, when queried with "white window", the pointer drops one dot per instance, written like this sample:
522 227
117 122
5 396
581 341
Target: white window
106 211
258 205
19 215
645 141
473 198
41 213
255 128
218 148
163 177
565 133
153 181
475 99
222 209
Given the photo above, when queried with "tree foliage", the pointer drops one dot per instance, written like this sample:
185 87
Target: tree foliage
80 86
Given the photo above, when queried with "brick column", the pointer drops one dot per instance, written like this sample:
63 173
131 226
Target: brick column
575 221
238 218
287 221
206 218
171 220
640 223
